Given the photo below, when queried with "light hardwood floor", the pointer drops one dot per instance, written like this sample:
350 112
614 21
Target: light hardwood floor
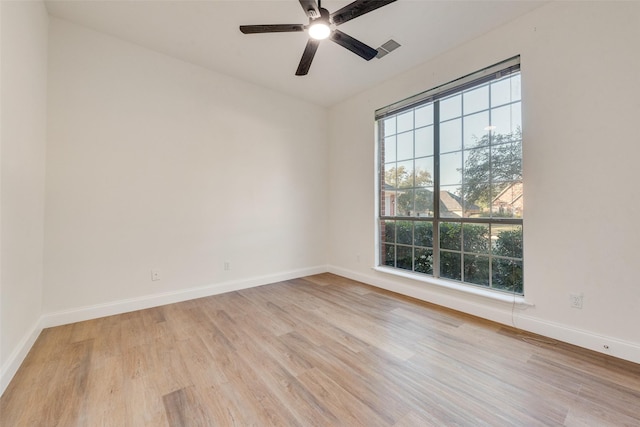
318 351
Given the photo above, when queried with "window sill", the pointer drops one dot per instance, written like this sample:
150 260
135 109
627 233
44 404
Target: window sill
518 300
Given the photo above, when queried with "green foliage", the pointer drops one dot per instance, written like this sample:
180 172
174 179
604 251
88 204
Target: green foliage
423 234
509 243
450 235
476 269
476 238
404 258
507 275
414 252
404 232
414 201
495 161
399 177
424 261
389 254
389 231
412 196
450 265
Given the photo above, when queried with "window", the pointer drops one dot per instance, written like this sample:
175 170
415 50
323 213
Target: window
450 181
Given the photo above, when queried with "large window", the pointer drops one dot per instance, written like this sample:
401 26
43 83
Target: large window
450 181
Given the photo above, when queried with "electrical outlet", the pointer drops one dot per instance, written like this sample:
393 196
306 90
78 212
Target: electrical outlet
575 300
227 266
155 275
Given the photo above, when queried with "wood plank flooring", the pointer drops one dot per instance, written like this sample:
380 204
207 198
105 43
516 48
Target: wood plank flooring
317 351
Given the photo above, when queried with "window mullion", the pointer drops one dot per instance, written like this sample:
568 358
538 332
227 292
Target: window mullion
436 189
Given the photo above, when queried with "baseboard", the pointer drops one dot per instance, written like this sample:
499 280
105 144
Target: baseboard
147 301
501 313
10 367
64 317
602 344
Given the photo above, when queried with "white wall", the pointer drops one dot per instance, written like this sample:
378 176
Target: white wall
153 163
581 104
23 136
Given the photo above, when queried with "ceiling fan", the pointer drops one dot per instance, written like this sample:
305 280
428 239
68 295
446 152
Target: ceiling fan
323 25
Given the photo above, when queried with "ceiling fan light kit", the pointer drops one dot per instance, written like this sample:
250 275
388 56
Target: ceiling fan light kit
322 25
320 28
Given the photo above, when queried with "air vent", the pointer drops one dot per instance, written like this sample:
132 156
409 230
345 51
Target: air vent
386 48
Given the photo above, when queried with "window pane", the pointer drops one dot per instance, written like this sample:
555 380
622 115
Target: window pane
404 257
476 129
423 234
507 275
404 203
424 115
501 92
405 174
476 238
388 202
508 200
476 99
388 255
505 90
450 265
476 269
405 121
424 172
476 189
472 208
516 118
388 231
515 87
404 232
389 126
423 201
507 240
505 120
506 162
424 141
476 200
451 136
450 107
405 146
450 202
450 235
391 175
451 168
390 149
423 260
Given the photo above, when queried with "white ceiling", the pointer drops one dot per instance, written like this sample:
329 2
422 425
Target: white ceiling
206 33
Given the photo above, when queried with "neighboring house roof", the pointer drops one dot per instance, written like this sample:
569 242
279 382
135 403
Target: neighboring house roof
453 203
389 187
511 194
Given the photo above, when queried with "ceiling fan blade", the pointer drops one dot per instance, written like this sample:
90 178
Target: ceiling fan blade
310 8
269 28
355 9
355 46
307 57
